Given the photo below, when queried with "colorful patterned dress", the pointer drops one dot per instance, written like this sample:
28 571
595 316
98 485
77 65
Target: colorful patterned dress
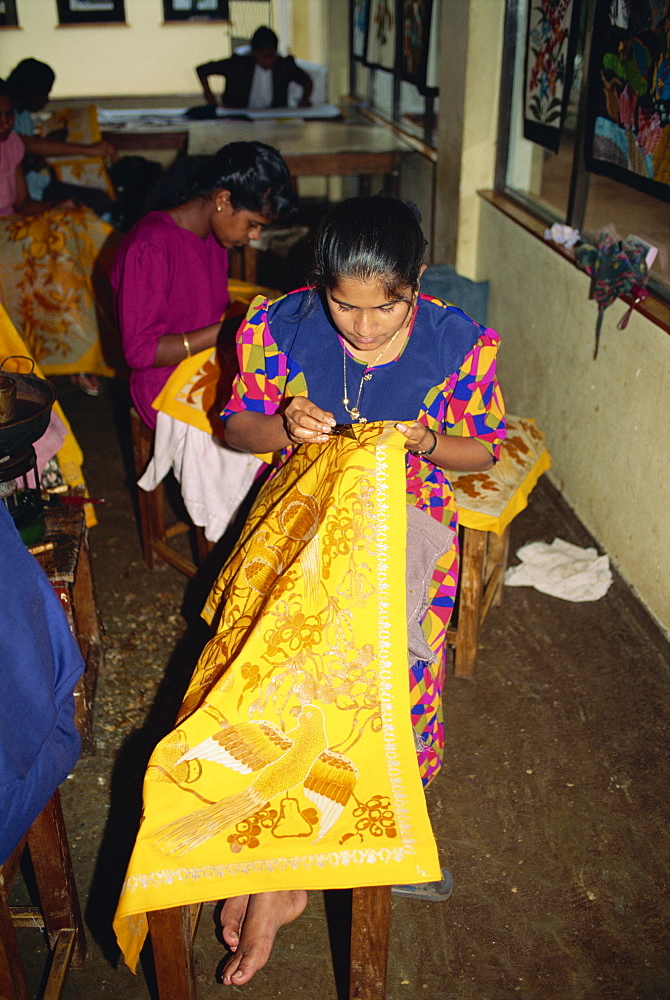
445 377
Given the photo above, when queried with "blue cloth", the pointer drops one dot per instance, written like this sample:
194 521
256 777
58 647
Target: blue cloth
441 338
40 664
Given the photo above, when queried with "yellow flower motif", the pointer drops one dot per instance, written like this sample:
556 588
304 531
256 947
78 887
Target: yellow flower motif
46 235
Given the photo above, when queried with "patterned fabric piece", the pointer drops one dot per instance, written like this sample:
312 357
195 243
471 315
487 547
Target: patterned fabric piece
293 762
78 125
490 500
426 681
49 269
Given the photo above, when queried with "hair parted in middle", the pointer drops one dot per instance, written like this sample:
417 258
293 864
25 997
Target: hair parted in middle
254 174
375 238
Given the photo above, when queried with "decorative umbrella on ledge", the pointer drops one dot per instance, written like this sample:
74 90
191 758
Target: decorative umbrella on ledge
617 267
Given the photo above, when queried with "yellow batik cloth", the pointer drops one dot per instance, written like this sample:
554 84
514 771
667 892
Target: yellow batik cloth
54 285
78 125
292 764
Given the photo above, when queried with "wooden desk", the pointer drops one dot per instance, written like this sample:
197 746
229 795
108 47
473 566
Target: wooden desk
311 148
68 566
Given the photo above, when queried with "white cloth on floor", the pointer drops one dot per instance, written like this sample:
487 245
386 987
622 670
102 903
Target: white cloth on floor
213 478
562 570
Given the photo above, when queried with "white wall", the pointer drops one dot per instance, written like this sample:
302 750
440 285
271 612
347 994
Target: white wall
143 57
607 421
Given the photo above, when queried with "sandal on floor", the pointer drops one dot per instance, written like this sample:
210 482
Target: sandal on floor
90 384
427 890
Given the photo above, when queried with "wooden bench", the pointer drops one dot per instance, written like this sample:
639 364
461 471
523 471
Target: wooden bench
487 503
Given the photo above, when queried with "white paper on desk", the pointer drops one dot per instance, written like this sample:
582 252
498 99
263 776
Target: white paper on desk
214 479
134 116
318 111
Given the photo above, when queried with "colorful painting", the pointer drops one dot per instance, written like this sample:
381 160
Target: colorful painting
628 117
550 44
416 25
381 39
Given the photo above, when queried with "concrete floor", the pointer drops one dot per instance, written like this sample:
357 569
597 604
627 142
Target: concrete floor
551 809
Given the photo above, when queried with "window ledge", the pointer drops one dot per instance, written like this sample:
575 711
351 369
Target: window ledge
654 308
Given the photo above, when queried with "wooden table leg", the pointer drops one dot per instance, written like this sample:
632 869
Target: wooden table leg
52 864
370 929
470 600
172 932
12 981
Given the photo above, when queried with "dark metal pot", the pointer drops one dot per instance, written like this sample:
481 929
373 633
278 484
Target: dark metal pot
34 399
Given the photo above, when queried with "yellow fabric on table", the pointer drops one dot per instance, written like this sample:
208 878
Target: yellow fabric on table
54 285
70 456
292 764
489 501
78 125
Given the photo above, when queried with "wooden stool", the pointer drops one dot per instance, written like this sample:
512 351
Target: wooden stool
58 914
68 566
487 503
173 930
155 534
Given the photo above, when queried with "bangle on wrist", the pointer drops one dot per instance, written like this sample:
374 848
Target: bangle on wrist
187 346
424 452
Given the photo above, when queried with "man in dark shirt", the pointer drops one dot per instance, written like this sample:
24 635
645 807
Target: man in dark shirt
258 79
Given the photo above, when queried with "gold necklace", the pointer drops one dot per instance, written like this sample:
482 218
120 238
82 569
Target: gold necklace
354 412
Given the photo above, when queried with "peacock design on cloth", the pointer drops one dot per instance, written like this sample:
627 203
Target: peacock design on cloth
285 760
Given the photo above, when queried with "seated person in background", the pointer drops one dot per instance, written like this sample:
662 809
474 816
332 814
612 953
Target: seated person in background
30 84
170 277
258 79
15 199
14 196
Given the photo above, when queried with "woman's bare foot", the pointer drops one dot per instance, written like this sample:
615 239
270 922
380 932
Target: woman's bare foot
250 924
90 384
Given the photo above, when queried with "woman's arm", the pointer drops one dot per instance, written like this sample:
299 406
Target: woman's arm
458 454
171 347
56 147
24 204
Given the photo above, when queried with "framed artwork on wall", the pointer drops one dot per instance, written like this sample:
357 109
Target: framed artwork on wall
91 11
196 10
8 14
551 39
360 14
415 25
381 35
628 107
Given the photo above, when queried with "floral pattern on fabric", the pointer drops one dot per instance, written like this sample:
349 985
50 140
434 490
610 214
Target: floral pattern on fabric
467 403
50 266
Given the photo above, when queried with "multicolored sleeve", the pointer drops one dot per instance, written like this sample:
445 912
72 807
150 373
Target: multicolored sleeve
261 381
474 402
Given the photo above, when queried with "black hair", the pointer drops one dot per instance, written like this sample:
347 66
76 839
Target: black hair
4 90
264 38
375 238
30 74
253 173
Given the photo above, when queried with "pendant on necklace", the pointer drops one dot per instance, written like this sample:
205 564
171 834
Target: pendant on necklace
367 376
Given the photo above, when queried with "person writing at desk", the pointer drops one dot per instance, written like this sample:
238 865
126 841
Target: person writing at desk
258 79
170 277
